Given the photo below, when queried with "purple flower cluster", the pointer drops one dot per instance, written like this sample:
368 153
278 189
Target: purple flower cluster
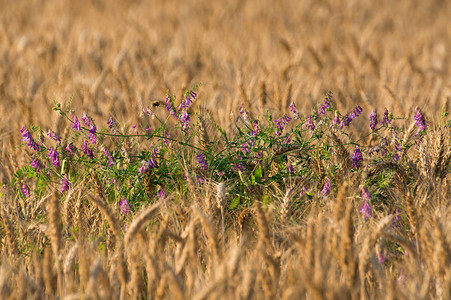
380 148
200 179
398 150
290 169
373 120
357 158
28 138
170 108
243 113
35 163
281 123
187 101
70 148
310 124
146 166
65 184
201 160
351 116
366 210
327 187
326 104
112 124
125 206
386 120
162 195
256 128
87 151
422 124
245 148
53 154
86 119
294 111
92 133
185 120
25 190
110 157
53 136
420 120
76 125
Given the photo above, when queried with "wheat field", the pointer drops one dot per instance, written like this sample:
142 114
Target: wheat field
243 212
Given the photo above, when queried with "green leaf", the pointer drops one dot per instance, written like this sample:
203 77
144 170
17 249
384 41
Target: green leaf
235 202
258 174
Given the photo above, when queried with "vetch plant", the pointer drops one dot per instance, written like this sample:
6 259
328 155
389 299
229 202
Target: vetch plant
264 154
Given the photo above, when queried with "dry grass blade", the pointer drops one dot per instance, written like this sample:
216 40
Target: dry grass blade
144 217
112 218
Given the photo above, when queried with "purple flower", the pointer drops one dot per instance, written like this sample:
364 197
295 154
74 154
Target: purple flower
366 193
92 134
87 151
110 158
71 149
185 120
357 158
201 160
165 141
290 169
245 148
186 103
327 187
125 206
373 120
398 150
25 190
281 123
65 184
112 124
53 136
28 138
326 104
420 120
200 179
386 119
55 157
162 195
294 111
351 116
255 132
155 151
310 124
76 125
35 163
170 107
366 210
421 123
86 119
144 168
244 114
